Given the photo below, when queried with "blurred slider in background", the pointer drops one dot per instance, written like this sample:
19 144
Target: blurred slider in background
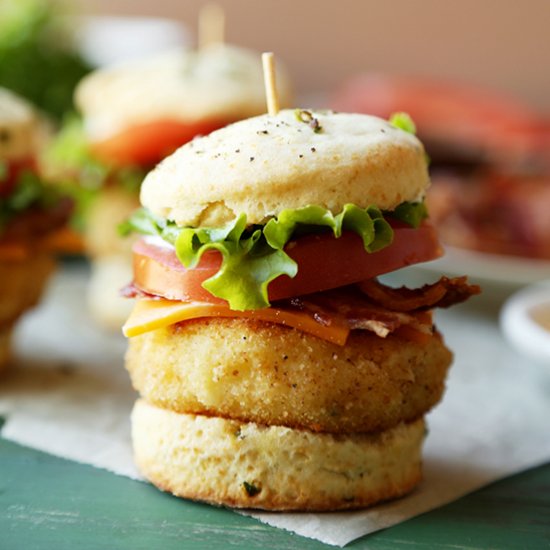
489 160
33 216
132 115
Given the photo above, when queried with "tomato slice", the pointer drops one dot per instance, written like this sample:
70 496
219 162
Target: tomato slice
148 143
324 262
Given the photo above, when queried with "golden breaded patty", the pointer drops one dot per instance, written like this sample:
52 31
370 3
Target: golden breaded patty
248 465
270 374
21 287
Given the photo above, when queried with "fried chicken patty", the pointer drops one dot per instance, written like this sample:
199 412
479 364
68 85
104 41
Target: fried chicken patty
260 372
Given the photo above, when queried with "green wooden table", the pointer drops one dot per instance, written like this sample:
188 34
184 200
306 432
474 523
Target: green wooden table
50 503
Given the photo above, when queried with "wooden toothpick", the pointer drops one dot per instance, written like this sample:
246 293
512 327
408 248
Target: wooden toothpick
272 97
211 26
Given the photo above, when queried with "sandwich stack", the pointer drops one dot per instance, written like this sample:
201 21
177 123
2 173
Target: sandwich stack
275 371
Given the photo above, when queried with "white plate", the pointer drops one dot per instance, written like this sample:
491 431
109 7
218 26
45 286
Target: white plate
525 321
490 268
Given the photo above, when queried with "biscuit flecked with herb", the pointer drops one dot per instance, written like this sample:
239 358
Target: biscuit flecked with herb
275 370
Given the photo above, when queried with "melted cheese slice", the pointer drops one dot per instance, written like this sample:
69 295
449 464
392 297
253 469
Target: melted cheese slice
152 314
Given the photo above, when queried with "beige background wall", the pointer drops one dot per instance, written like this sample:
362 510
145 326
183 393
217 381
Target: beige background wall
500 43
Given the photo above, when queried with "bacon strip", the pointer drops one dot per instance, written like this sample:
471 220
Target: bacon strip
374 307
359 312
443 293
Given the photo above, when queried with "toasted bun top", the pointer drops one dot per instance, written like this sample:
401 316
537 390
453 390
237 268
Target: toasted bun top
264 164
18 127
216 82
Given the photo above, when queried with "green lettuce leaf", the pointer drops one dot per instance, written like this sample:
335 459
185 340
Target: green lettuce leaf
143 221
29 192
411 213
253 256
68 161
249 263
404 122
68 156
39 56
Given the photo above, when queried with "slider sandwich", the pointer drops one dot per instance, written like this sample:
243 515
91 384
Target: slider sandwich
32 216
132 116
275 370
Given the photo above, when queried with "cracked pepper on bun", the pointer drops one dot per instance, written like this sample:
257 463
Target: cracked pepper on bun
275 371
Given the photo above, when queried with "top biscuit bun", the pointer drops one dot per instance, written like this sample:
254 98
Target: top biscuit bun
265 164
217 82
19 123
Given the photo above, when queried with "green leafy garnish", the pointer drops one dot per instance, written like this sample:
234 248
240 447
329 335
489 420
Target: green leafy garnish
38 54
253 256
404 122
249 264
69 162
145 222
412 213
368 223
68 156
29 192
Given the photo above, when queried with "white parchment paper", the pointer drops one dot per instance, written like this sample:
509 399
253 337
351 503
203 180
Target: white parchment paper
68 394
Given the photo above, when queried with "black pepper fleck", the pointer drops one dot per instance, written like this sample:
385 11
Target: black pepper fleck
313 149
251 159
237 150
251 489
301 156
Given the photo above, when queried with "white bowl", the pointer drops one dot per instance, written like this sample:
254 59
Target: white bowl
525 321
109 40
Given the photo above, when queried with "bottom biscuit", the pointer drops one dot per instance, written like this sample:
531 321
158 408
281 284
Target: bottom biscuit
247 465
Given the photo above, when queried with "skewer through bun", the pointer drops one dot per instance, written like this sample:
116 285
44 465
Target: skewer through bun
313 398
